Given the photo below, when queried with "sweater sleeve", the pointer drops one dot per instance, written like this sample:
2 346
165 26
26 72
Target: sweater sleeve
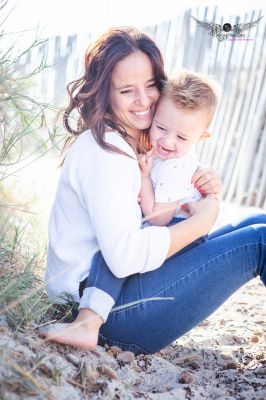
109 192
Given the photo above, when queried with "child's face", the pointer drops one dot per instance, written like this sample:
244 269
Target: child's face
174 131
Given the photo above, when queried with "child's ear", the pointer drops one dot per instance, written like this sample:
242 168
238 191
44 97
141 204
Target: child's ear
205 135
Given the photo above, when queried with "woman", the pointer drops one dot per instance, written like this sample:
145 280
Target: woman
167 291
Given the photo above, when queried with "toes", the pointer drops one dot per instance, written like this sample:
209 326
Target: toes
46 330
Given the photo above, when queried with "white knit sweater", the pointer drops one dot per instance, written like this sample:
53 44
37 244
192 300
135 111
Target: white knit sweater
96 208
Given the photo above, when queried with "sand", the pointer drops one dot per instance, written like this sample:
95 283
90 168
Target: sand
223 358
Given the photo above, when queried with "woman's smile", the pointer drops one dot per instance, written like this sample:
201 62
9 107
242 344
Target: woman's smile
143 113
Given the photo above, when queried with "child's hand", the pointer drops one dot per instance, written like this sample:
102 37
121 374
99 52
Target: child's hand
145 164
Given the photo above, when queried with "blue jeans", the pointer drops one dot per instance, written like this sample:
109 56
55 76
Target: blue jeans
155 308
102 278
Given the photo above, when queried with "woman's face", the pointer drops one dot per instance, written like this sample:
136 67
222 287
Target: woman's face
133 93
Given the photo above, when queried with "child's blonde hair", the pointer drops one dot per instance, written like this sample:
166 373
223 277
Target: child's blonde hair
193 91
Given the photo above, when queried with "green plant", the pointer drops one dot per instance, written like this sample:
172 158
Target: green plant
25 133
25 136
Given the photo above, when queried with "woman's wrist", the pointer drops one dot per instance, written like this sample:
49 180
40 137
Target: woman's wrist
205 221
201 224
186 232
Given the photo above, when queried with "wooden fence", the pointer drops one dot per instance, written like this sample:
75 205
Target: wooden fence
238 144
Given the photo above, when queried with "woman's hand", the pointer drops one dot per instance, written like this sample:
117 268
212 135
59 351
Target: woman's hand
207 181
207 205
207 209
203 214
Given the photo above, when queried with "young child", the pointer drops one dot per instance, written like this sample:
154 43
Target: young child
182 117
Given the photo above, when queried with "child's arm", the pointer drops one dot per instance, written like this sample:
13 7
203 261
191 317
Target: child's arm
146 190
162 213
156 213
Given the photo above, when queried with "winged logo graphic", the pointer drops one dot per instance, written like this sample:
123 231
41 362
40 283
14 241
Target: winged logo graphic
214 29
217 30
238 29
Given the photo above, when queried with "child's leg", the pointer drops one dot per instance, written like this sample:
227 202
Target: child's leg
98 294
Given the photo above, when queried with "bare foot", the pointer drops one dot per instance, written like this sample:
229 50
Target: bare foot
83 332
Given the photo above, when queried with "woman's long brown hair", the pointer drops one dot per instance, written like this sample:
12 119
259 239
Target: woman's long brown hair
89 95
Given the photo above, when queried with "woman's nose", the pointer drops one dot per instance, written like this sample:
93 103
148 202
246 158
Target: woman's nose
143 99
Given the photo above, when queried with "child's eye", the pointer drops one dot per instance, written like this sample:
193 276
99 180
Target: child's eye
181 138
161 128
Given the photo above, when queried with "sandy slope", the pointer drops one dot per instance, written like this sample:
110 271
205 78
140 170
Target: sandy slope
223 358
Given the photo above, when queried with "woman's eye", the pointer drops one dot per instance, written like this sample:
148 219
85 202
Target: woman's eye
126 91
152 85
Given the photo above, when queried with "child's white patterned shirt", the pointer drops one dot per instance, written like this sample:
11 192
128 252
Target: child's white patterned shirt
171 179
